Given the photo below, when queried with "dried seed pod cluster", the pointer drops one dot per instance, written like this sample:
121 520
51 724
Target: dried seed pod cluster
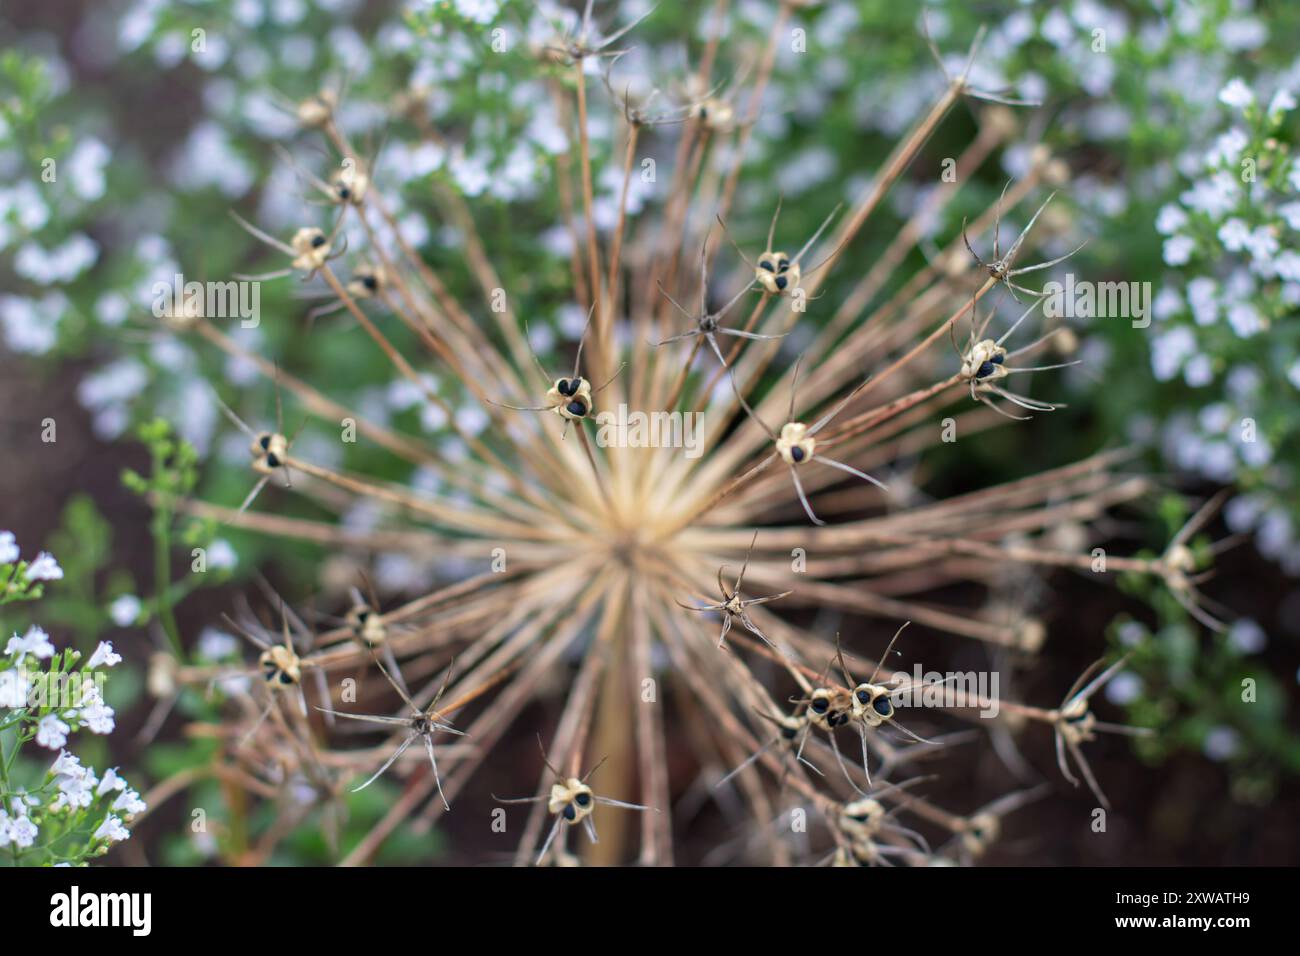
583 555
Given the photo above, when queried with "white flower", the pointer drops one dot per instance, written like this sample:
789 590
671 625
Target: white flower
1234 234
104 656
129 803
215 645
19 830
1169 350
66 765
1124 688
23 831
1290 212
52 732
1227 148
35 642
1288 265
14 687
8 548
1199 371
481 12
1247 636
1244 319
1221 743
1131 633
95 714
1215 196
124 610
1202 296
1170 219
1236 94
76 783
44 568
1262 244
1178 250
1282 102
111 781
221 555
112 830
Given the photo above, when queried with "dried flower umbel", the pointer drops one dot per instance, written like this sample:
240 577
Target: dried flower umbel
604 540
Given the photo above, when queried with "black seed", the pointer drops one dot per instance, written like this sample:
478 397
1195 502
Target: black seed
265 442
764 264
789 733
998 359
782 282
784 266
582 799
821 705
796 453
317 241
864 697
273 460
285 678
570 814
577 409
985 370
370 282
883 705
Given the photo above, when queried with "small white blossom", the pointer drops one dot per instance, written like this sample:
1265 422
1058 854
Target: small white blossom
1247 636
1287 265
1244 319
1221 743
96 714
35 642
19 830
44 568
1236 94
1262 244
1282 102
1199 371
1290 212
14 687
1170 219
8 548
1234 234
221 555
52 732
104 656
215 645
124 610
110 781
1169 350
129 803
1215 196
1178 250
112 830
76 783
1124 688
481 12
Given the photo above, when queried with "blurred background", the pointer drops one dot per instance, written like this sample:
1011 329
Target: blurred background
1178 123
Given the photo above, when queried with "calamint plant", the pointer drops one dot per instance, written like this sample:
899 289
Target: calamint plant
54 810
